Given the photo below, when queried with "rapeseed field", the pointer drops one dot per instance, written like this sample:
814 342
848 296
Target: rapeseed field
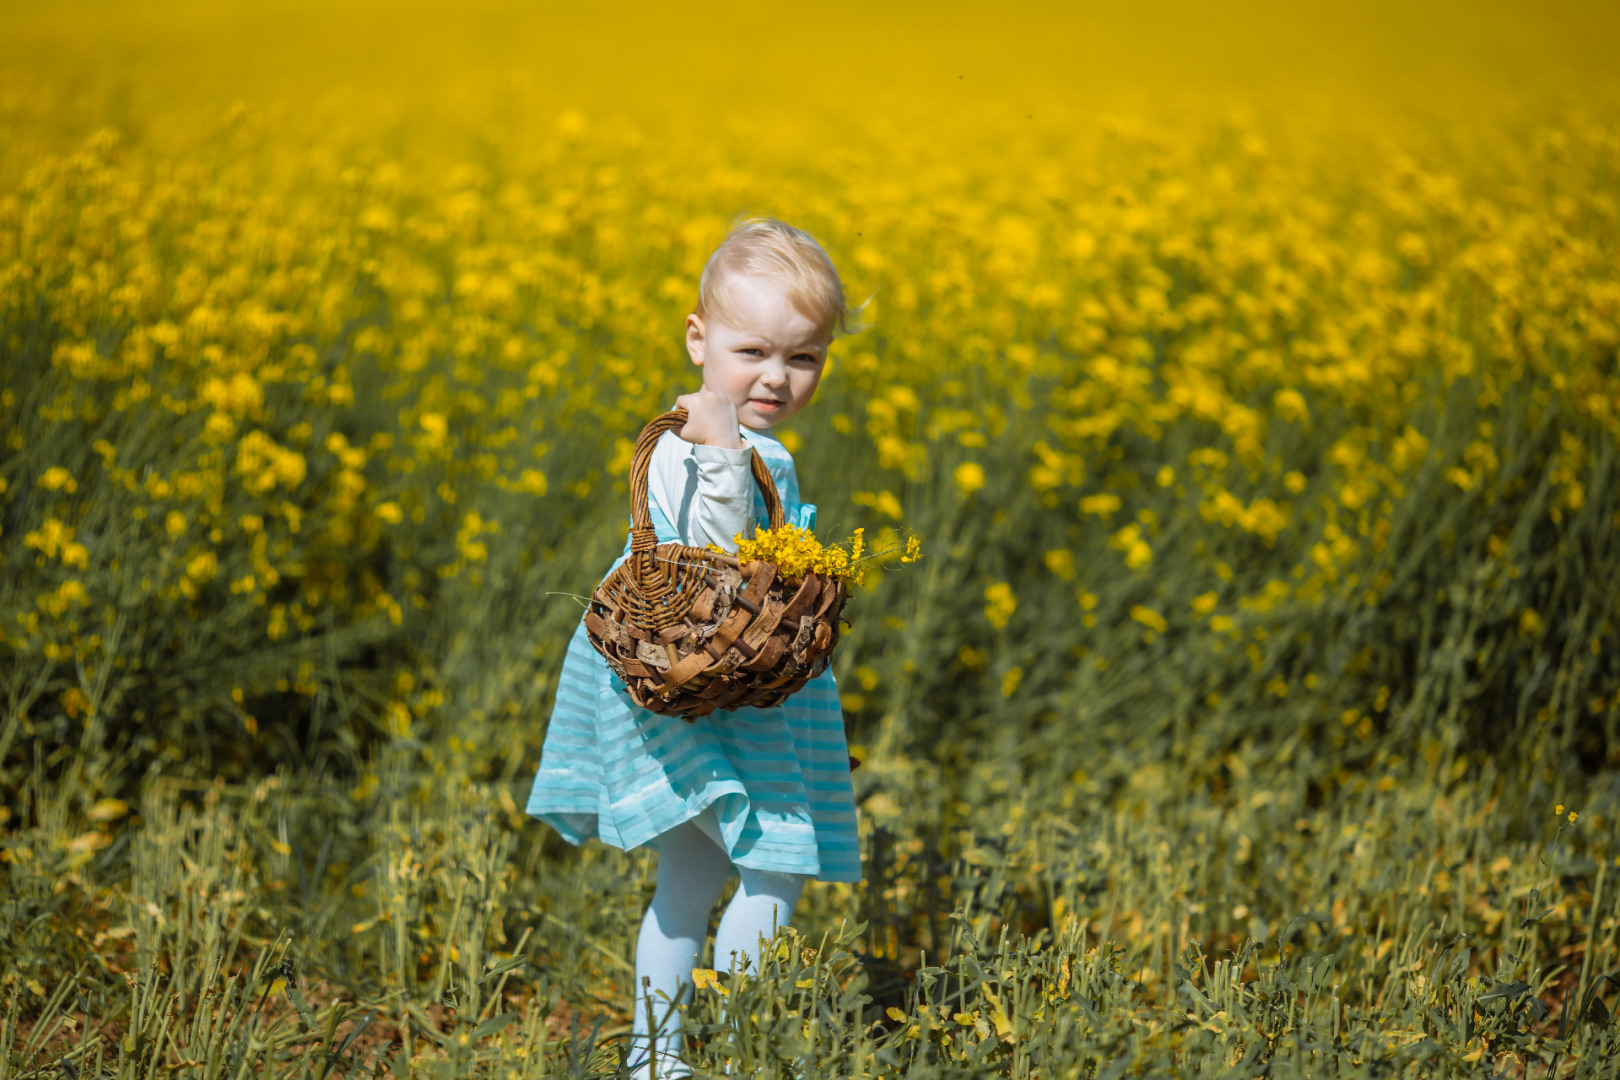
1249 375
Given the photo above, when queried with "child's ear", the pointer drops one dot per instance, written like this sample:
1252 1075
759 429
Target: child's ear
694 339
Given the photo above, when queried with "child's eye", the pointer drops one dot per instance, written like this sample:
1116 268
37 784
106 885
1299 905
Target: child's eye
812 357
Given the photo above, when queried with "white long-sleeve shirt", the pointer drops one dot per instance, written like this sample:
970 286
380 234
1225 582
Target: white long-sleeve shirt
706 492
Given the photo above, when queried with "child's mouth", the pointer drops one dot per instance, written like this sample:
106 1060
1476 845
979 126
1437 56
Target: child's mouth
766 404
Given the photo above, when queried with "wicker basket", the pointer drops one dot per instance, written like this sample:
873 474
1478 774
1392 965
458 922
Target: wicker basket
691 630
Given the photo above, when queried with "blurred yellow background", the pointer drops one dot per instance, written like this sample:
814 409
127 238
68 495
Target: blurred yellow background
958 70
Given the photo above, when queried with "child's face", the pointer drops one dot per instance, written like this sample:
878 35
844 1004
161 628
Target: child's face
769 361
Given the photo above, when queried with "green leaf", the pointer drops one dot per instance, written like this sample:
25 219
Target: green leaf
493 1025
511 963
365 1022
1512 990
1597 1013
289 976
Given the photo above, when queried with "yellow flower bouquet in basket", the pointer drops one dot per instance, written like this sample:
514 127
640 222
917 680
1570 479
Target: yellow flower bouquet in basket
691 630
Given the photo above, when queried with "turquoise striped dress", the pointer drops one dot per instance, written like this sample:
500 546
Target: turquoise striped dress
771 786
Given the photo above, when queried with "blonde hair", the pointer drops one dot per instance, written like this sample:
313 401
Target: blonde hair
770 248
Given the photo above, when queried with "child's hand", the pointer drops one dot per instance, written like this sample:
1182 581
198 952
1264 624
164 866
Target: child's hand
711 419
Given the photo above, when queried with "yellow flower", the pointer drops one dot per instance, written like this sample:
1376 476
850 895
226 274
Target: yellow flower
1129 540
239 395
707 978
49 537
797 552
532 482
435 429
969 477
1149 618
1002 604
219 428
1011 681
1101 505
264 463
397 720
108 809
69 592
57 478
1290 405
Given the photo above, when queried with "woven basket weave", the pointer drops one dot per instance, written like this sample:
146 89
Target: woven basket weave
691 630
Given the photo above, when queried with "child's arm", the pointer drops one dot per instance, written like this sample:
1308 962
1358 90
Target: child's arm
702 481
711 419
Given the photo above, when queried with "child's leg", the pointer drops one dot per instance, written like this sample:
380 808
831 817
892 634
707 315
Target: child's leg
691 872
763 904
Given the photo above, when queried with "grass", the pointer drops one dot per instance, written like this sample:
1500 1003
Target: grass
1413 931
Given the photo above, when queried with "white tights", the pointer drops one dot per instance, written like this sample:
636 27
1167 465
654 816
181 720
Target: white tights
692 870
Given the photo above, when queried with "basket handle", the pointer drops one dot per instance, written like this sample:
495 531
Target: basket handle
643 538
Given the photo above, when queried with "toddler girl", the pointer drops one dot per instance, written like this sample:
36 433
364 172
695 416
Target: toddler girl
764 790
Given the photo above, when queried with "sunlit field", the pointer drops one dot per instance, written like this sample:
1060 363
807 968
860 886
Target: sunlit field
1249 376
